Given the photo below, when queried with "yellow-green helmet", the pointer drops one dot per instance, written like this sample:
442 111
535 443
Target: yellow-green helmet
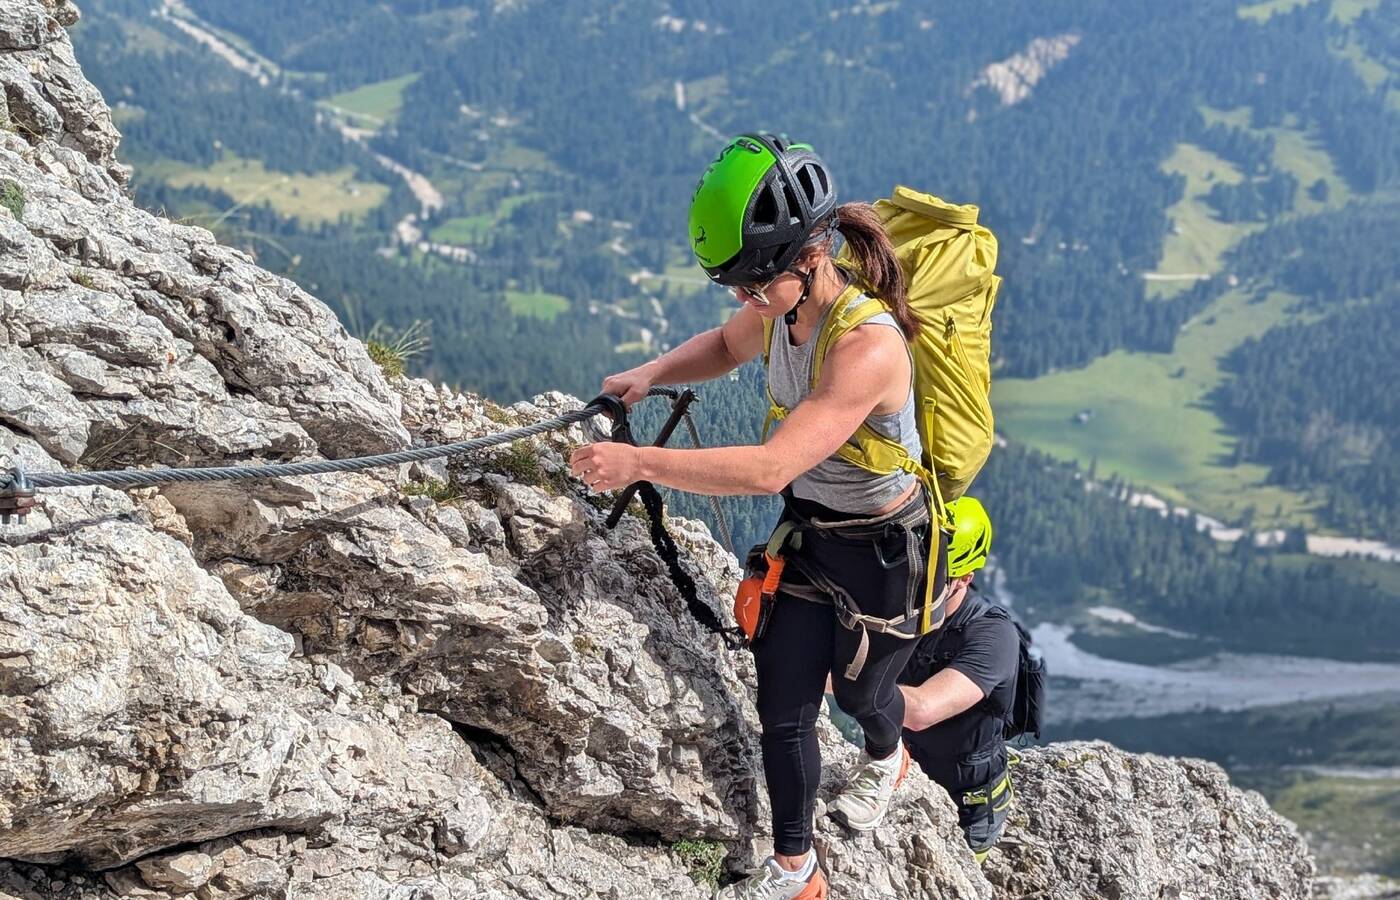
972 536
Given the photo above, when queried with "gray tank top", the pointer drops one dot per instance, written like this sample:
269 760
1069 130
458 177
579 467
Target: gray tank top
834 482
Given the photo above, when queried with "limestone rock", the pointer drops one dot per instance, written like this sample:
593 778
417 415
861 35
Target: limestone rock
147 710
45 89
917 851
179 872
180 349
579 654
1093 821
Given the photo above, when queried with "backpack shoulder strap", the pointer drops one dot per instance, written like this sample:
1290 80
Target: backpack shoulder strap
852 309
767 341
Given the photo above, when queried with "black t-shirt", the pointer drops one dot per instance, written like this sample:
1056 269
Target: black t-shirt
964 752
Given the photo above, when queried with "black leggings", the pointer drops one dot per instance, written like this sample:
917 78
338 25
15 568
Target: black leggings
803 644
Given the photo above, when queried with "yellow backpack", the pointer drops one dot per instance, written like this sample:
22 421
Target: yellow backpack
948 260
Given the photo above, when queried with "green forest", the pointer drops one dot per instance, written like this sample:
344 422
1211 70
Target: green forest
565 141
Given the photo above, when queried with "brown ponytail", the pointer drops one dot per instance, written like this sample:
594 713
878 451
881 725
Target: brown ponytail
875 261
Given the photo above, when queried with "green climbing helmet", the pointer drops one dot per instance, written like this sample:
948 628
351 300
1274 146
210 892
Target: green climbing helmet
972 536
756 206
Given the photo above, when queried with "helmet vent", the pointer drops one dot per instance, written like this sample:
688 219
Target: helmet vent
765 209
804 175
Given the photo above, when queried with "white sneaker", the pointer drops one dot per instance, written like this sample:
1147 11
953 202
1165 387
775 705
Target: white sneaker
865 799
772 883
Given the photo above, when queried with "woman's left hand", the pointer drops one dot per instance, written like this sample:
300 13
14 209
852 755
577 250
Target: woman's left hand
607 465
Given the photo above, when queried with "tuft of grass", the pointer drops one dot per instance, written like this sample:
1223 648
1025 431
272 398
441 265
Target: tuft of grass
391 350
82 279
1066 764
704 859
520 462
584 645
12 198
497 413
432 488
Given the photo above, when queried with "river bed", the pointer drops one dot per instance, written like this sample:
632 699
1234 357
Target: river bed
1085 686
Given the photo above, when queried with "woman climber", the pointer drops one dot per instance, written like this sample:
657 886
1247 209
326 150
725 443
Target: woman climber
856 589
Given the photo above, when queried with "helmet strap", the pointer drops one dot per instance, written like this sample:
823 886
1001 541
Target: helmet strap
790 317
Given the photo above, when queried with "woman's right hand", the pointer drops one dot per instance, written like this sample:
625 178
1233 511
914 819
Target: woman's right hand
631 385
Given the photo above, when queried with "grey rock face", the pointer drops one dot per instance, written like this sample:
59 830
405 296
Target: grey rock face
1093 821
568 642
143 709
46 92
917 851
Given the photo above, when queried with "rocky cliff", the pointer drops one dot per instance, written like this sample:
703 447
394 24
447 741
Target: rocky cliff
438 681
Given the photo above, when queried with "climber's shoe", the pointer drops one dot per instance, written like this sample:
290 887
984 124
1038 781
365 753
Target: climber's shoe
865 799
772 882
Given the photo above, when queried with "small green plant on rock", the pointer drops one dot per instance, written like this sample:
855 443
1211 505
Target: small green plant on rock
432 488
520 463
497 413
82 279
391 350
12 198
704 859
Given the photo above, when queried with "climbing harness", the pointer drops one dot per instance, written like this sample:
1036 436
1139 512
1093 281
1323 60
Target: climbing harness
928 614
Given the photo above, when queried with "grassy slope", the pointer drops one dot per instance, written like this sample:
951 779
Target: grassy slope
471 229
321 197
1352 824
462 230
1260 12
539 304
1152 422
1198 237
372 105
